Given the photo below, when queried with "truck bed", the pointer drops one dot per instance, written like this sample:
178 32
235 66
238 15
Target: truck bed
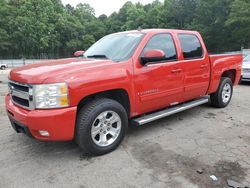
221 63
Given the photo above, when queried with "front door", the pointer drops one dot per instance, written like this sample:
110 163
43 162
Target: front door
159 84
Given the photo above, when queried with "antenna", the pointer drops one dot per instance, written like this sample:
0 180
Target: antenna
139 28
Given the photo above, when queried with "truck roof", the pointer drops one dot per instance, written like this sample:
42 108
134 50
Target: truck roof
153 31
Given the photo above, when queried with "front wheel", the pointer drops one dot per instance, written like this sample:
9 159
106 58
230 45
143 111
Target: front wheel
101 126
224 93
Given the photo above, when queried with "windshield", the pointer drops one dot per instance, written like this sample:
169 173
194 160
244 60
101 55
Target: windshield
117 47
247 58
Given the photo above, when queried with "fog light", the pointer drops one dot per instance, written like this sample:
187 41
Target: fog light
44 133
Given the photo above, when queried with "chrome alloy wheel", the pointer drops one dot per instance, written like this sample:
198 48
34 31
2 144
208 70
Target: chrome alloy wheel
106 128
226 93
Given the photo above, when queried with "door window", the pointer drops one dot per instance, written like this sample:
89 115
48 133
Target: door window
162 42
191 46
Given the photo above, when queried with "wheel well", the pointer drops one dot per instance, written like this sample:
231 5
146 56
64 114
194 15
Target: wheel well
119 95
230 74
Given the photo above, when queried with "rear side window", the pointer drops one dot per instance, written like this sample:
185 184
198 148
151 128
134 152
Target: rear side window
162 42
191 46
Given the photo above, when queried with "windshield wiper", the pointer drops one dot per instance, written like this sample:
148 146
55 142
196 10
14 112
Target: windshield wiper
98 56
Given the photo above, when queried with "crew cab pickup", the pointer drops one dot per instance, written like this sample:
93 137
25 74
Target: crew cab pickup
132 77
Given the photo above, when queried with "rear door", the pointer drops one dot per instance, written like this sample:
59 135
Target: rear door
196 66
160 83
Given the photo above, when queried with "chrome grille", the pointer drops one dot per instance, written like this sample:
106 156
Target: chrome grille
21 94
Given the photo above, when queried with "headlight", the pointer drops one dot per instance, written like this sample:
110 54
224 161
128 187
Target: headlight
51 96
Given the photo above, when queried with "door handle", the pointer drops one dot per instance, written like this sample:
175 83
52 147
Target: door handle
176 70
204 66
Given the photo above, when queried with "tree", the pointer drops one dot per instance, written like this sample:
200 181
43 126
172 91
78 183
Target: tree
239 22
4 35
47 28
154 15
179 13
210 18
87 41
135 17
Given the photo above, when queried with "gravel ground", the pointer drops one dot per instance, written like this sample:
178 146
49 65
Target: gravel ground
166 153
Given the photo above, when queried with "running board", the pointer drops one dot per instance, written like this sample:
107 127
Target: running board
169 111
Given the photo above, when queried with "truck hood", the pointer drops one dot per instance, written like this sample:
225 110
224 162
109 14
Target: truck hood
40 72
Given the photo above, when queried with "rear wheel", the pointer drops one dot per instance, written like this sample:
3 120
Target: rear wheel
3 67
101 126
224 93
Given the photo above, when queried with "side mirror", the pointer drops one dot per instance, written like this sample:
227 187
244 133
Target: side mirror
151 56
79 53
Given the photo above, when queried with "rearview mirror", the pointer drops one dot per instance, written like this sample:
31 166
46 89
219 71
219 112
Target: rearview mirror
151 56
79 53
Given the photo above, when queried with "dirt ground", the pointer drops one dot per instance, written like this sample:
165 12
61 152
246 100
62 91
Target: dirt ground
166 153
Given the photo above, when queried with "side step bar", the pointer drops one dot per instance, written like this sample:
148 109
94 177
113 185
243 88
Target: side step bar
169 111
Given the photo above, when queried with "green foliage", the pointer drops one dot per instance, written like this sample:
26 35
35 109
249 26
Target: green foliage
179 13
210 17
47 28
239 21
4 35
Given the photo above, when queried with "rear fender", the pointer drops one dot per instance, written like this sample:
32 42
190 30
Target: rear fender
224 66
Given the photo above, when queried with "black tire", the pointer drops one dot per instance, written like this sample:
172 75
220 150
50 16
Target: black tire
216 98
3 67
86 117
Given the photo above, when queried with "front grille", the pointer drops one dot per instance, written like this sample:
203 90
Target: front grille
246 70
19 87
21 94
22 102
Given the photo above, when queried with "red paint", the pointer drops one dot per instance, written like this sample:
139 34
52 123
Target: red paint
149 88
59 123
154 53
222 63
78 53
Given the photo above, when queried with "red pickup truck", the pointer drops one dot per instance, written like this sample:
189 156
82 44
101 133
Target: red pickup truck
132 77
